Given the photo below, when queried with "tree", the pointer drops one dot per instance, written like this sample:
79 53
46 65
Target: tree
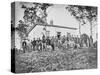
22 29
35 15
83 14
91 15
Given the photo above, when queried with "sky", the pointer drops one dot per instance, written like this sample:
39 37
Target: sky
60 17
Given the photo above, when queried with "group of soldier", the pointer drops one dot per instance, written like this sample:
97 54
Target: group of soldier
46 43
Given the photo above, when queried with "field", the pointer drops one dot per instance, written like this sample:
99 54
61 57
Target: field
58 60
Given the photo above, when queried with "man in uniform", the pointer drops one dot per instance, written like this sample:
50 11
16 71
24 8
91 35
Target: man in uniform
43 42
34 44
24 45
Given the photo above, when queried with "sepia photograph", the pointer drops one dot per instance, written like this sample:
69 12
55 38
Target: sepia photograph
53 37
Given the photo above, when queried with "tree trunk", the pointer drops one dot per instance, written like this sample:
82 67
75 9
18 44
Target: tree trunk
79 28
90 29
91 34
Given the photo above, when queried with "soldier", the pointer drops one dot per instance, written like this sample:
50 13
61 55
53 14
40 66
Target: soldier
24 45
85 40
43 42
52 44
63 39
39 44
34 44
58 35
48 41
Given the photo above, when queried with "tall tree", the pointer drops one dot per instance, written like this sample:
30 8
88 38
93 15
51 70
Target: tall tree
36 15
83 14
22 29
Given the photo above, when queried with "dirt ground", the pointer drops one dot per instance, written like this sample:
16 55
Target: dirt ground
58 60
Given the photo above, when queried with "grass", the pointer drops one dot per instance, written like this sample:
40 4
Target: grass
57 60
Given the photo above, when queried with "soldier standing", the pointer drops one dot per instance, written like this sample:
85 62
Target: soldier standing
43 42
24 44
34 44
